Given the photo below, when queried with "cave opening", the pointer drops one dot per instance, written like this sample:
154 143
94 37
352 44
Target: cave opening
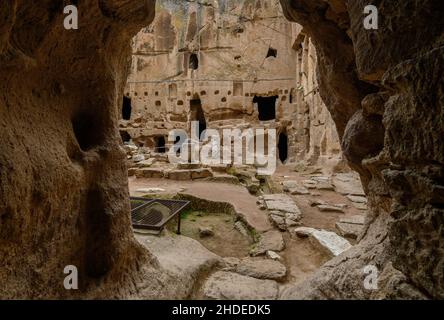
126 108
88 129
160 146
194 61
266 107
272 52
125 136
283 147
197 114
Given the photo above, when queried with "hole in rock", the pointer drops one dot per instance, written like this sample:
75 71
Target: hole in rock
88 129
283 147
194 62
126 108
271 52
160 144
197 114
125 136
266 107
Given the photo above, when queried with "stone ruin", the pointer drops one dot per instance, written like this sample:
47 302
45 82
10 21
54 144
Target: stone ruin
63 190
227 67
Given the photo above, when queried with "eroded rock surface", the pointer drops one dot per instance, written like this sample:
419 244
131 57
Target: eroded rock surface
384 89
63 180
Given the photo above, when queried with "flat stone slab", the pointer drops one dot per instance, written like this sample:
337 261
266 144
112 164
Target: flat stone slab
284 212
278 220
325 186
273 255
330 242
201 173
224 285
269 241
330 208
348 184
309 184
180 175
150 190
357 199
149 173
282 202
146 163
262 269
294 188
360 206
349 230
357 219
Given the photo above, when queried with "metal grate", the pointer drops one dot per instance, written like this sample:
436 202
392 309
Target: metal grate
154 214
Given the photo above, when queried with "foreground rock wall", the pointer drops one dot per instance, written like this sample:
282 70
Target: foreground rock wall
384 89
224 55
63 181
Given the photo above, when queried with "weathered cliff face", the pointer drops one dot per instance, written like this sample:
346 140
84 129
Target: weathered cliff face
384 89
225 56
63 181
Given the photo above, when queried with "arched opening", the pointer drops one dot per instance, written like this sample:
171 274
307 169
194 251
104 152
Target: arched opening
126 108
197 114
266 107
283 147
194 61
160 144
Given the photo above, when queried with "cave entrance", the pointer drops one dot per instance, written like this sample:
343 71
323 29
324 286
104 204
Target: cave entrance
125 136
197 114
126 108
194 61
283 147
160 144
266 107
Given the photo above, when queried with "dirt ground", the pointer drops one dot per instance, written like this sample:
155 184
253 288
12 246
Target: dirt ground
300 256
226 241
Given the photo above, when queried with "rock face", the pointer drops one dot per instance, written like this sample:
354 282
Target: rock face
184 258
384 89
63 190
209 63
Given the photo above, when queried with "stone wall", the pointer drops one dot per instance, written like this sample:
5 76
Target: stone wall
223 57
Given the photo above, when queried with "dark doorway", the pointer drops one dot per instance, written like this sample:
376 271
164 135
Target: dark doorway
266 107
126 108
194 61
160 144
197 114
272 52
283 147
125 136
